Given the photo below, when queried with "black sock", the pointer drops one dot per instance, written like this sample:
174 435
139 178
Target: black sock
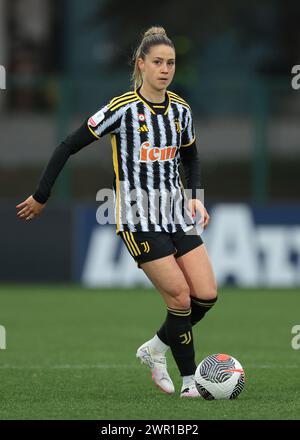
177 331
200 307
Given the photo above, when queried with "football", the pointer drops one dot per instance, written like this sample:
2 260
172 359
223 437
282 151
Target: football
219 376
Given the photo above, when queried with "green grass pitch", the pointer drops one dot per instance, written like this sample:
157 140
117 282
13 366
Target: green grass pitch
70 354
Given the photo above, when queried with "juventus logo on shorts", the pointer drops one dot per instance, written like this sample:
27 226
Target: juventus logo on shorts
146 246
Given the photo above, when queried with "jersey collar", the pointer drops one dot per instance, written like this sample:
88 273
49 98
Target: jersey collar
156 109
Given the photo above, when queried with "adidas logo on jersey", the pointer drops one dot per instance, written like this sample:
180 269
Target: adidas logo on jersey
152 154
143 128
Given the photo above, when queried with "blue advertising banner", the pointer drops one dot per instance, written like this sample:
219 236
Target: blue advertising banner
248 246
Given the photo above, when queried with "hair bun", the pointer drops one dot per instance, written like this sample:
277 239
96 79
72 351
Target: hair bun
155 31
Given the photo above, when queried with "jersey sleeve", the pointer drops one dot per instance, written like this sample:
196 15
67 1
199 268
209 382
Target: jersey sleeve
105 121
188 134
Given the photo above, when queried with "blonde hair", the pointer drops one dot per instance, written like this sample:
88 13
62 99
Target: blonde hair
152 37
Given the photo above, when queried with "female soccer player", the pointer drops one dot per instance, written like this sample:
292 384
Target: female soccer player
152 131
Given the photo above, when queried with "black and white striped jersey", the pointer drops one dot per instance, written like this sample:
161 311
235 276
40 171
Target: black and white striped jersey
146 139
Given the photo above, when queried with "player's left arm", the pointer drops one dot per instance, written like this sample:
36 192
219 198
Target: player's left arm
191 165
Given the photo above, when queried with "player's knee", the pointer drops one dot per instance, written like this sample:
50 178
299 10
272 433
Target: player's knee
184 302
180 297
210 293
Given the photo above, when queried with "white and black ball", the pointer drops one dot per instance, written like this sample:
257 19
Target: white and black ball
219 376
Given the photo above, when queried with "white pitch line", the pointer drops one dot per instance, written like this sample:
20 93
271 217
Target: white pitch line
274 366
66 366
118 366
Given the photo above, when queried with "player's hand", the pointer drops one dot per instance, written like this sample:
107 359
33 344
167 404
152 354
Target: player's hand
196 207
29 209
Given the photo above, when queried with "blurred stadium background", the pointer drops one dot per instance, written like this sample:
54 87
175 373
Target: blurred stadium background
64 59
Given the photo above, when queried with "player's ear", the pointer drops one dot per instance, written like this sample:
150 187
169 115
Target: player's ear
141 64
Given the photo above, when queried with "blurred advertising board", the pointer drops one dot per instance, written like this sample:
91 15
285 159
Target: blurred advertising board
248 247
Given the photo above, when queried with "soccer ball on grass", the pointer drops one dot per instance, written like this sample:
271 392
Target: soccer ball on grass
219 376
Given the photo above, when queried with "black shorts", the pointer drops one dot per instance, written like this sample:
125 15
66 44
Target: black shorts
149 246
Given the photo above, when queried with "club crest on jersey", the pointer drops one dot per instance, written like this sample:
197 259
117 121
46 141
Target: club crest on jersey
177 125
152 154
96 119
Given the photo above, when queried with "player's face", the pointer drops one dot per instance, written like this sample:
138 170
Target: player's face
158 67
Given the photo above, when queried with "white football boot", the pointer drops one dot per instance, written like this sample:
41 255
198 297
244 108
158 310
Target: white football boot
189 390
157 363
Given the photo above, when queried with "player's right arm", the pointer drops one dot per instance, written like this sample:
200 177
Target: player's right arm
34 204
105 121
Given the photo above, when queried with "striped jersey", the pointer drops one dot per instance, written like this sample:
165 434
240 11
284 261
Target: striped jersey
146 139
